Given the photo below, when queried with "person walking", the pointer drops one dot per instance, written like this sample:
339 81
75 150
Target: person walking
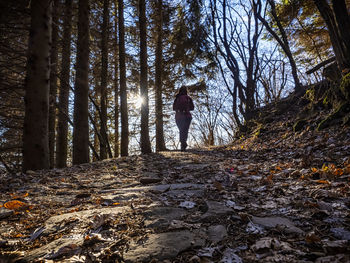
183 104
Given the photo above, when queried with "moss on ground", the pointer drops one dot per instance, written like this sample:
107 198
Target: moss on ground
345 86
339 115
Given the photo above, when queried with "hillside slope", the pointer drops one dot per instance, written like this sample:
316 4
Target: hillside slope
280 193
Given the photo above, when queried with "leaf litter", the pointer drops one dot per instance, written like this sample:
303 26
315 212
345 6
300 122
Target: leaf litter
275 200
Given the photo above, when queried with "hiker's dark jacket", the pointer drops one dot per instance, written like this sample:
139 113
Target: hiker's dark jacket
183 104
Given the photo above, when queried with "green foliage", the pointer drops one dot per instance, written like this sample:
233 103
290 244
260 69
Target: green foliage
306 28
310 94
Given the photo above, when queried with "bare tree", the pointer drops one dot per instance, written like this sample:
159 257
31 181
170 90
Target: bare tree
280 37
235 35
207 117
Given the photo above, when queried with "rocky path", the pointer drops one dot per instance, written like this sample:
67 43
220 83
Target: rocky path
256 201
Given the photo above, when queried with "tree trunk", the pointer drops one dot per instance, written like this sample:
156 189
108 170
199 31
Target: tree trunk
145 142
160 142
81 98
96 139
116 85
328 17
62 125
123 96
284 44
35 132
104 72
337 23
53 83
343 21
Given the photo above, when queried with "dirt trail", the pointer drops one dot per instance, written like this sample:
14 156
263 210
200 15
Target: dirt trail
246 203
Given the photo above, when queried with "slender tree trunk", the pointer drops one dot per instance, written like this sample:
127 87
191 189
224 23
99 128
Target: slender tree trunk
35 132
160 142
81 98
62 125
116 85
53 83
104 72
286 47
283 42
124 145
145 142
96 139
96 116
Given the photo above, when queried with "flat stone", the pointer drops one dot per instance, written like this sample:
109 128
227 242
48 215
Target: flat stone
184 193
273 222
161 187
216 233
336 246
5 213
54 246
162 216
341 233
120 197
215 209
335 259
150 180
163 246
53 223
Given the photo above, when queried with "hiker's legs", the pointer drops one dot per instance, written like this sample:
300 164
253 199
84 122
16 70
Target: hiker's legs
183 124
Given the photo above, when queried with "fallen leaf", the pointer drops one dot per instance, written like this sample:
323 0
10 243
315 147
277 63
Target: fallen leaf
312 238
338 172
323 182
218 186
15 205
18 196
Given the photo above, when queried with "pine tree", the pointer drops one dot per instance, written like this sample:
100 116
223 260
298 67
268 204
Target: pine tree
53 83
145 141
160 142
62 124
35 133
116 84
104 75
122 71
81 88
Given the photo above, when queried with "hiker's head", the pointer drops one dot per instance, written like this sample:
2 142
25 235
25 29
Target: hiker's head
182 91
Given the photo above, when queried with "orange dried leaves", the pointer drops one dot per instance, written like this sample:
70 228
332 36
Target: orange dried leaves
331 171
18 196
323 182
15 205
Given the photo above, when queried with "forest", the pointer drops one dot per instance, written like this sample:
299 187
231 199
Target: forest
93 167
88 80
